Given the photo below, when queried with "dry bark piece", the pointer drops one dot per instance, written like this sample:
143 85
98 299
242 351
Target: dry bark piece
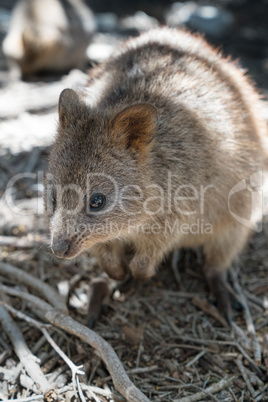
133 336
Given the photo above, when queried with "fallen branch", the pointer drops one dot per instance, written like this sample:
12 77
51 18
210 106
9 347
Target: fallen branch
120 379
74 369
23 316
27 359
42 288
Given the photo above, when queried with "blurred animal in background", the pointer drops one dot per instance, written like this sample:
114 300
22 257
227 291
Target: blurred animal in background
50 35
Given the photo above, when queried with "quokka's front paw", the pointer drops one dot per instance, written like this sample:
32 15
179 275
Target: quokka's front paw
115 270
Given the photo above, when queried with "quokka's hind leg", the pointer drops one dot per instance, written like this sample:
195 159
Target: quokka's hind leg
220 251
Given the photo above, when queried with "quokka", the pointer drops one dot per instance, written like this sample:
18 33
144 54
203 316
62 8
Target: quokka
165 114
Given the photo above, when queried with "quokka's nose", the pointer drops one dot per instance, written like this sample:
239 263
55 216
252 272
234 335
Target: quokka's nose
61 247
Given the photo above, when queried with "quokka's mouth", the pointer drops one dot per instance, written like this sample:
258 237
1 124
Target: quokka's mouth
72 254
64 248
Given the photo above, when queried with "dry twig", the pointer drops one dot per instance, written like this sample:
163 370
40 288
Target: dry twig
242 337
74 369
196 358
213 389
208 308
265 351
245 376
249 320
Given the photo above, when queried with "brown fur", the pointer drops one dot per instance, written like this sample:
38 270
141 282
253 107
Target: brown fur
48 35
208 133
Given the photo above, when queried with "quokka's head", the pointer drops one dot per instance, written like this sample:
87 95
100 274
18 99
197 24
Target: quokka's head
96 177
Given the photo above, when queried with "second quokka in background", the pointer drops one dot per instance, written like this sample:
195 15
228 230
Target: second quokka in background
158 153
48 35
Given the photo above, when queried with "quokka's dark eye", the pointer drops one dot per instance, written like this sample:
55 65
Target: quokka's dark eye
97 202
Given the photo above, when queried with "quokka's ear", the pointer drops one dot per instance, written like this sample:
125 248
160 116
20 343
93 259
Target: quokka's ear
68 107
135 126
